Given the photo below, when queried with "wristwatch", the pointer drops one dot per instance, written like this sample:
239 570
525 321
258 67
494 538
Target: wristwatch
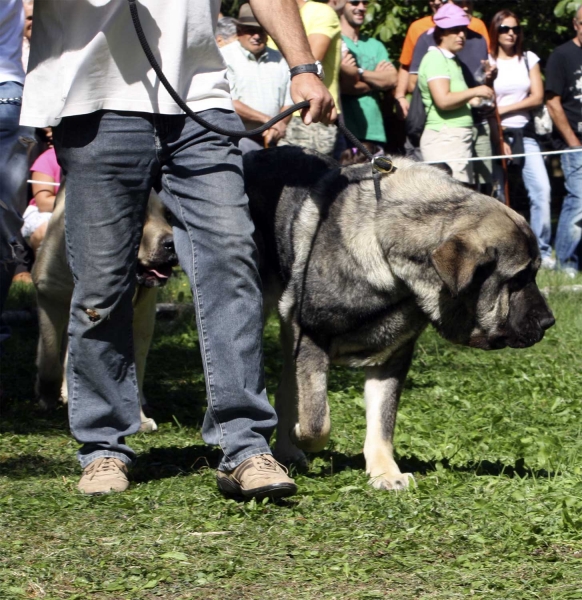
316 68
360 71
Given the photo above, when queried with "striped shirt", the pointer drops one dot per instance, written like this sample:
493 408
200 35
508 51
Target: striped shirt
262 83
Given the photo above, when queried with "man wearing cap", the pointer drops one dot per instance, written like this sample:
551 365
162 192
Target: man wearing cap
259 81
117 134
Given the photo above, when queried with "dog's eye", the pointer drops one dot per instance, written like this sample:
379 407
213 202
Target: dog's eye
482 273
521 279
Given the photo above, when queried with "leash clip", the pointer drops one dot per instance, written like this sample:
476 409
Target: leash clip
383 164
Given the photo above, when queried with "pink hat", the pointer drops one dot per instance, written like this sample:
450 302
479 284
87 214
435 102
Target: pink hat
451 15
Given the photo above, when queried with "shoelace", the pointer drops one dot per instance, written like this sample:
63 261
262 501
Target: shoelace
104 465
268 463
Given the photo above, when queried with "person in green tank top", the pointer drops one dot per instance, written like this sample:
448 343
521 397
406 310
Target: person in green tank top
446 97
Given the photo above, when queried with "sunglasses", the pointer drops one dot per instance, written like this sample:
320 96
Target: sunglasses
358 2
506 29
251 31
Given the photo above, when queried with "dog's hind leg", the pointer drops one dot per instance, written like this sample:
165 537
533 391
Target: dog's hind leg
52 322
312 425
144 320
382 393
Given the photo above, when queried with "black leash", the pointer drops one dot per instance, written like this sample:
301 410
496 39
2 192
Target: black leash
380 164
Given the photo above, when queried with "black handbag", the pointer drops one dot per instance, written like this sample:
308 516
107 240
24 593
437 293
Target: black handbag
416 118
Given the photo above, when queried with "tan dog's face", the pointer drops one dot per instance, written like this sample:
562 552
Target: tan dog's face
490 299
157 254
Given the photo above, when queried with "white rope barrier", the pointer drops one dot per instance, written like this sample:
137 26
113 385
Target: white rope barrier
43 182
505 156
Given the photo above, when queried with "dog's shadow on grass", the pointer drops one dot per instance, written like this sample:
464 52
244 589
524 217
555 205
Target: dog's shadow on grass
161 463
338 461
26 466
27 418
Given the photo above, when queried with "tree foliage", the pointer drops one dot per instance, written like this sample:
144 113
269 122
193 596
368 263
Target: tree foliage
547 23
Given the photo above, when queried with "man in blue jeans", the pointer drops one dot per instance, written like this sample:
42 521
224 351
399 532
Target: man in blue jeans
118 133
564 101
14 144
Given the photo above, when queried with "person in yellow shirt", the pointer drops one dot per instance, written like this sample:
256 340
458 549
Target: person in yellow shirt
324 35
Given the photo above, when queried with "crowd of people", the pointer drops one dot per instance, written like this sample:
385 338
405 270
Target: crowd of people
479 88
476 75
475 88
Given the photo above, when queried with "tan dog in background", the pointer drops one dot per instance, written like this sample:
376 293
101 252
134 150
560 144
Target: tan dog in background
54 286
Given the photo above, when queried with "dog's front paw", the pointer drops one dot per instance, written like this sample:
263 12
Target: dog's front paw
290 455
148 426
396 482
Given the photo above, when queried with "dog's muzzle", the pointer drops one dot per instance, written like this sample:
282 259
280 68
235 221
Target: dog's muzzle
157 272
530 332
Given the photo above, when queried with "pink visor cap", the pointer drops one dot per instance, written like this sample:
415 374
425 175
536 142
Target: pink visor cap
451 15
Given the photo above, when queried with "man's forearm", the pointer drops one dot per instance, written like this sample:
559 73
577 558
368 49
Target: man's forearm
560 120
355 88
380 80
282 21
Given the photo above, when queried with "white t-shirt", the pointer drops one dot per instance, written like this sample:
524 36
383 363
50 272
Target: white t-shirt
85 56
11 26
513 85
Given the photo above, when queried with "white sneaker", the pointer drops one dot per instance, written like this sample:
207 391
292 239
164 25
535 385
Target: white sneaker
548 263
570 272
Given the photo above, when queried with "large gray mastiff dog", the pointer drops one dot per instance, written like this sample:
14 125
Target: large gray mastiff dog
54 286
357 281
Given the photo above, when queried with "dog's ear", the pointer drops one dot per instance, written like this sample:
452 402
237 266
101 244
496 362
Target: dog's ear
457 259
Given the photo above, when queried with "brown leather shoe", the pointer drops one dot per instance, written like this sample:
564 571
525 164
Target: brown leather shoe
257 477
104 475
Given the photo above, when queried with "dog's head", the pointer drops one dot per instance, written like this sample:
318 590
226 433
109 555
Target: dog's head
489 298
157 254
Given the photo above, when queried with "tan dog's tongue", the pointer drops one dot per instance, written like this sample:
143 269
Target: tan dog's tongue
158 274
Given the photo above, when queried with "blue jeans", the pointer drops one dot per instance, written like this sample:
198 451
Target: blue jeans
569 225
537 184
15 142
111 161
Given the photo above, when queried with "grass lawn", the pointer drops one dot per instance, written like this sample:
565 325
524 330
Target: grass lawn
494 440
